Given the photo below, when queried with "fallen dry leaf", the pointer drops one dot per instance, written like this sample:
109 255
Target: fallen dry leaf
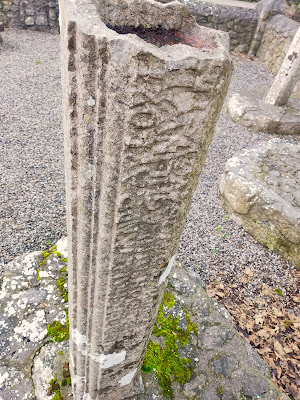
264 322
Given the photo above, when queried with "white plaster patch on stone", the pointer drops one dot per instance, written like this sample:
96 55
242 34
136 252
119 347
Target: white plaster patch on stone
167 270
62 246
90 102
109 360
105 360
35 330
3 377
127 379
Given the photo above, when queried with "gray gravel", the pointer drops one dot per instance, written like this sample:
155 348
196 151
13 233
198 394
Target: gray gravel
32 205
32 173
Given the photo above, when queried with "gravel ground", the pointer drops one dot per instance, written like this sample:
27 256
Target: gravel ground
32 173
32 204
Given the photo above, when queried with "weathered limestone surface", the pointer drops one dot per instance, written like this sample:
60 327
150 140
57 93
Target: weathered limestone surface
277 38
138 120
261 190
222 360
272 114
220 357
287 75
250 109
29 300
225 366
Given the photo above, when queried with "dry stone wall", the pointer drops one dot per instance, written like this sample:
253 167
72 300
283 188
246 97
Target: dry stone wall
30 14
238 18
278 36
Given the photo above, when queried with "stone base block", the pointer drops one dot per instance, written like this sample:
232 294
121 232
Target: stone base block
31 299
261 190
219 357
251 111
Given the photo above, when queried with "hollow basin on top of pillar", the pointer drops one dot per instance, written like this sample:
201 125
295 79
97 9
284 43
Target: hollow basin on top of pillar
143 86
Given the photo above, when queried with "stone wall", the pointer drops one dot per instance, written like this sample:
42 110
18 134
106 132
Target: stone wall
276 40
238 18
30 14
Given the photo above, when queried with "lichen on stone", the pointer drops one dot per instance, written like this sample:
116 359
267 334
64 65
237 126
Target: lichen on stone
165 360
58 331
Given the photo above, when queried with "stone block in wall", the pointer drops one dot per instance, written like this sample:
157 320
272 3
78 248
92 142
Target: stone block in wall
41 20
29 21
52 14
29 11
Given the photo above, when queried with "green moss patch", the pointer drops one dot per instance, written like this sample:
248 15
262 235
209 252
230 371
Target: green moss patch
59 332
55 389
165 361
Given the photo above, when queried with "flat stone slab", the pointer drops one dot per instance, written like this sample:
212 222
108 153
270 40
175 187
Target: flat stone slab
251 111
260 188
223 365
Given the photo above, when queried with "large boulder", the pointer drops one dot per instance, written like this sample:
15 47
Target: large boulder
260 188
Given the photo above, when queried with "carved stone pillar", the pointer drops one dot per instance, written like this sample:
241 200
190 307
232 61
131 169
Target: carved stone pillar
143 86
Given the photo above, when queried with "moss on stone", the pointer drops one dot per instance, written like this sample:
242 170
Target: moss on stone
66 381
61 285
165 361
59 332
55 388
